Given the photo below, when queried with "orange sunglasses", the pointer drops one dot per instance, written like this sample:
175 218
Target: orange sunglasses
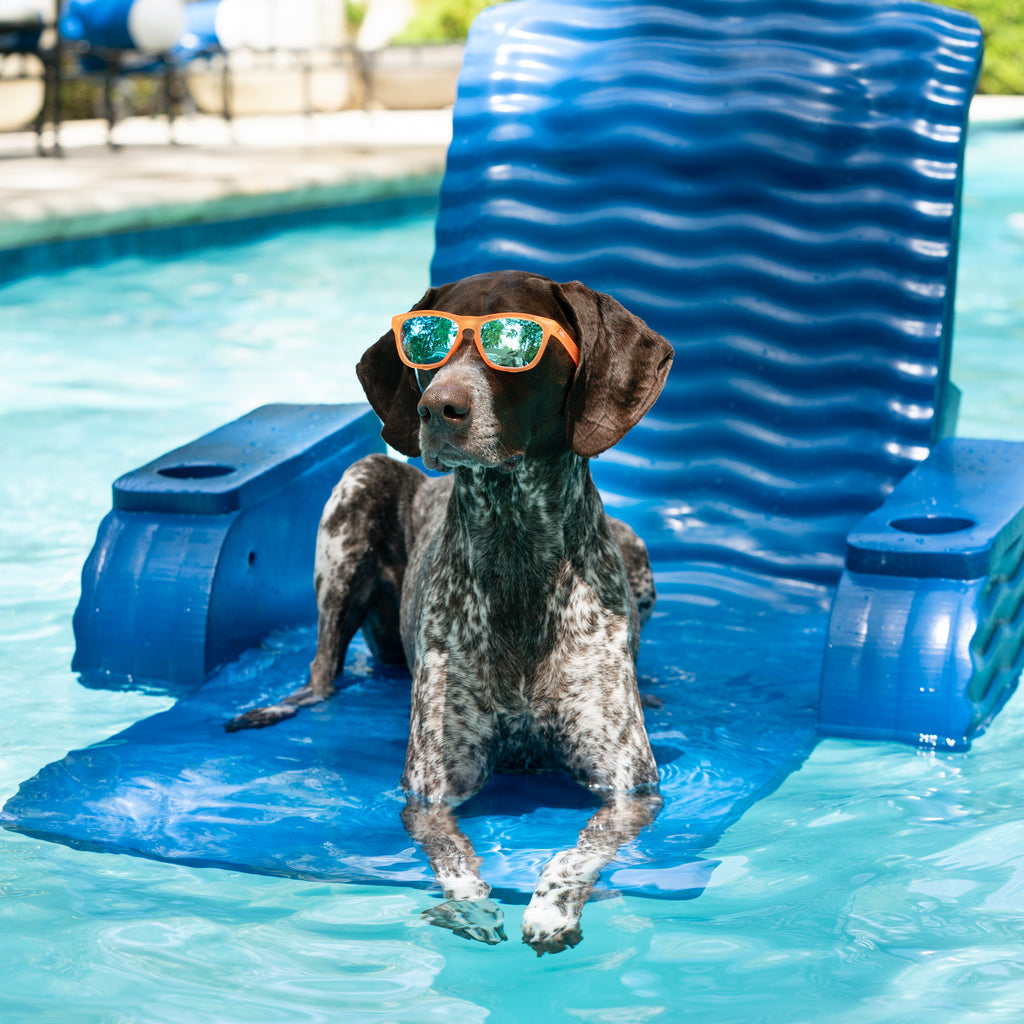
513 342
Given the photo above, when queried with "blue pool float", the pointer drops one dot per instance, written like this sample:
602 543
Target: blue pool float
148 26
775 187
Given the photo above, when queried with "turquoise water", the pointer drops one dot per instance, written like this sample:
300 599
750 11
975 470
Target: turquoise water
878 884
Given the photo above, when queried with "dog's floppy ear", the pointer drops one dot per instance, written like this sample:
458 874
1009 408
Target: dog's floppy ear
623 367
391 388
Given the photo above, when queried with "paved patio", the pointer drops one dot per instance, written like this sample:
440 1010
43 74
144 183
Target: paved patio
205 169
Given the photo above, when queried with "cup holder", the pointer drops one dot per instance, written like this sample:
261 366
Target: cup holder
932 525
195 471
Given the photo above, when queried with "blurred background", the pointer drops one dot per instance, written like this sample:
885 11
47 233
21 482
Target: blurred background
70 60
67 60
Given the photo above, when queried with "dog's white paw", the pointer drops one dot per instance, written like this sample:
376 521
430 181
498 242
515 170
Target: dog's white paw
480 920
551 922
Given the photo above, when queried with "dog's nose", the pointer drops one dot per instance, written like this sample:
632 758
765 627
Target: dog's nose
445 404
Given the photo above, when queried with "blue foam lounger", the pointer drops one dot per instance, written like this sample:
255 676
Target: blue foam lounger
773 186
202 541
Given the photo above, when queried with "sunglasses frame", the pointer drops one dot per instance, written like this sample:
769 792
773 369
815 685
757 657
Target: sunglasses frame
474 323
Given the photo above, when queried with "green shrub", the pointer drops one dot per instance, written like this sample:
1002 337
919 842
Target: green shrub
441 21
1002 23
355 15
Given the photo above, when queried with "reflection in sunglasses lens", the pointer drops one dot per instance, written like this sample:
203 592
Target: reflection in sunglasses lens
428 339
511 342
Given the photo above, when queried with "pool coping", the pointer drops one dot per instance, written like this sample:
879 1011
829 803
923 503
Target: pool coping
1003 112
171 182
177 229
371 185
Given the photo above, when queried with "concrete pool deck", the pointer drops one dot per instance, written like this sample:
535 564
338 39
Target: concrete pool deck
207 170
212 171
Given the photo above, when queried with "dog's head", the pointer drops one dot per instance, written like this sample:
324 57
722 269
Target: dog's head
467 413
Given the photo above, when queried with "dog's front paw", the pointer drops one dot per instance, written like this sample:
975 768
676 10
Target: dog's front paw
550 930
480 920
551 925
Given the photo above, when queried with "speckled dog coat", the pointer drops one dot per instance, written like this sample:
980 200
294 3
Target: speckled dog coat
513 598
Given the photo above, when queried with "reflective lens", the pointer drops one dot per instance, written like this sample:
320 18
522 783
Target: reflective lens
511 342
507 342
428 339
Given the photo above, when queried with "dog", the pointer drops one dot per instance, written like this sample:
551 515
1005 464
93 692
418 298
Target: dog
515 601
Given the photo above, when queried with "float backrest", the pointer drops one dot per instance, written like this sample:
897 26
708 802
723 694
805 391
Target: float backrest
775 187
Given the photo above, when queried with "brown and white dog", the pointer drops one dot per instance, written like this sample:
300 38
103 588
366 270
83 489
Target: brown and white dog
513 598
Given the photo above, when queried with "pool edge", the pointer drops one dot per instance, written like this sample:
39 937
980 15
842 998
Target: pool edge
175 228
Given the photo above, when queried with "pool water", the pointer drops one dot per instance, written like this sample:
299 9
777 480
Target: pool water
878 884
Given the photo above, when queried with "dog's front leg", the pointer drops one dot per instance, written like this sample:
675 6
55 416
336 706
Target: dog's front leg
466 910
551 922
448 760
604 746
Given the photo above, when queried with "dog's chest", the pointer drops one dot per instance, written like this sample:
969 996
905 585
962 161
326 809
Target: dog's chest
514 650
518 592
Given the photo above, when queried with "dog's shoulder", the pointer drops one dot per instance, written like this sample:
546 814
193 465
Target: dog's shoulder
431 501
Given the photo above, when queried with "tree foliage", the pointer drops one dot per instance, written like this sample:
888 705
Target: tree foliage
441 21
